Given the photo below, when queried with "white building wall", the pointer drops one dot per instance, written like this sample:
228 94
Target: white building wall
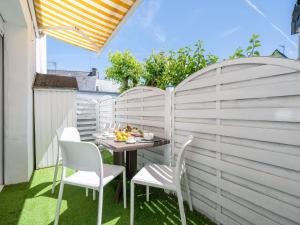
41 54
19 62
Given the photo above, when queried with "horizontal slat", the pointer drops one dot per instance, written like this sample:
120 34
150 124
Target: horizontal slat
251 153
141 122
86 128
80 122
264 201
141 113
231 205
86 117
262 134
140 104
271 114
239 75
279 183
265 91
139 95
90 132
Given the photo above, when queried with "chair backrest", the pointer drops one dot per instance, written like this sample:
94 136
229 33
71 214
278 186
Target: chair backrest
180 164
83 156
68 134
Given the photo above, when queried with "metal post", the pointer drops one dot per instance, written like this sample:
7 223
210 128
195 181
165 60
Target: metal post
168 125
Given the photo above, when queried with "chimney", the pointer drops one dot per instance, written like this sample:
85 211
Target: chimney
93 72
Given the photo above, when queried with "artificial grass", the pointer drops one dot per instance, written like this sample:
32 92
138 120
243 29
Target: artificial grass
33 204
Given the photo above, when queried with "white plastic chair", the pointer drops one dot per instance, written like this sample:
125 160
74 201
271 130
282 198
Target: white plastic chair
165 177
66 134
85 158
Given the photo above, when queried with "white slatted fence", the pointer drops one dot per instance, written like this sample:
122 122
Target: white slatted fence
244 164
144 107
106 112
86 117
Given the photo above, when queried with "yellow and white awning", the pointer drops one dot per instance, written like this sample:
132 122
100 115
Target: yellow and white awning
86 23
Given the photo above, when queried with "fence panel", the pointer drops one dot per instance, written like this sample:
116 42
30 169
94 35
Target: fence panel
53 109
86 117
244 163
144 107
106 112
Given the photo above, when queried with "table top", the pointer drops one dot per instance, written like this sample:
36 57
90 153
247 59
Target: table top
123 146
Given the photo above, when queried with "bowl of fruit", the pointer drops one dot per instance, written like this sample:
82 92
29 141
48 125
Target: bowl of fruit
133 131
121 135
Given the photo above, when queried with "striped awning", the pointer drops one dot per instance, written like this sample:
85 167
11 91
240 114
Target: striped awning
89 24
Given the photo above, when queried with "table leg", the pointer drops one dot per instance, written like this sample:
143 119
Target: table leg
131 168
118 160
131 164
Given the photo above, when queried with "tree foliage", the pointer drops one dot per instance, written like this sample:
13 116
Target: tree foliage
168 68
124 69
251 50
154 67
163 69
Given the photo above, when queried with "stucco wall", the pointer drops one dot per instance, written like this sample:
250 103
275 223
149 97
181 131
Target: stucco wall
19 62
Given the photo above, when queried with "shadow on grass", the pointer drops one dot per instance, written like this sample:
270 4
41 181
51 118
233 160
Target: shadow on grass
12 200
33 204
161 209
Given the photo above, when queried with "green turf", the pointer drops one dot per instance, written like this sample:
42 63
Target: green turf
33 204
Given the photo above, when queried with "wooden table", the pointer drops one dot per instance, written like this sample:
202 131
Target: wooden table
119 148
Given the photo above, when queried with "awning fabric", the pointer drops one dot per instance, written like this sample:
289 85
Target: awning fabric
86 23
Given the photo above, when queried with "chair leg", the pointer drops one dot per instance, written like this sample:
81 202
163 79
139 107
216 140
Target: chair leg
86 192
147 193
94 195
187 187
55 176
124 189
100 205
181 207
131 203
61 190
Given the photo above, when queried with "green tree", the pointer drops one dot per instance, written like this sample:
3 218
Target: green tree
251 50
254 44
154 67
125 69
184 62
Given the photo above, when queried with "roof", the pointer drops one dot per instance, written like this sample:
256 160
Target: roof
89 24
85 82
278 53
54 81
107 86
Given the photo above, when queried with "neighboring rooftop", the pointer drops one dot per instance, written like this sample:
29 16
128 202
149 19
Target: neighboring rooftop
279 54
86 79
54 81
107 86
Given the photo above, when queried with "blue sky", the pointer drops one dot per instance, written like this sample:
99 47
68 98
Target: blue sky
170 24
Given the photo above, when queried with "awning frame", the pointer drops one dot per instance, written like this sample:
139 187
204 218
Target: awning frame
98 49
74 28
